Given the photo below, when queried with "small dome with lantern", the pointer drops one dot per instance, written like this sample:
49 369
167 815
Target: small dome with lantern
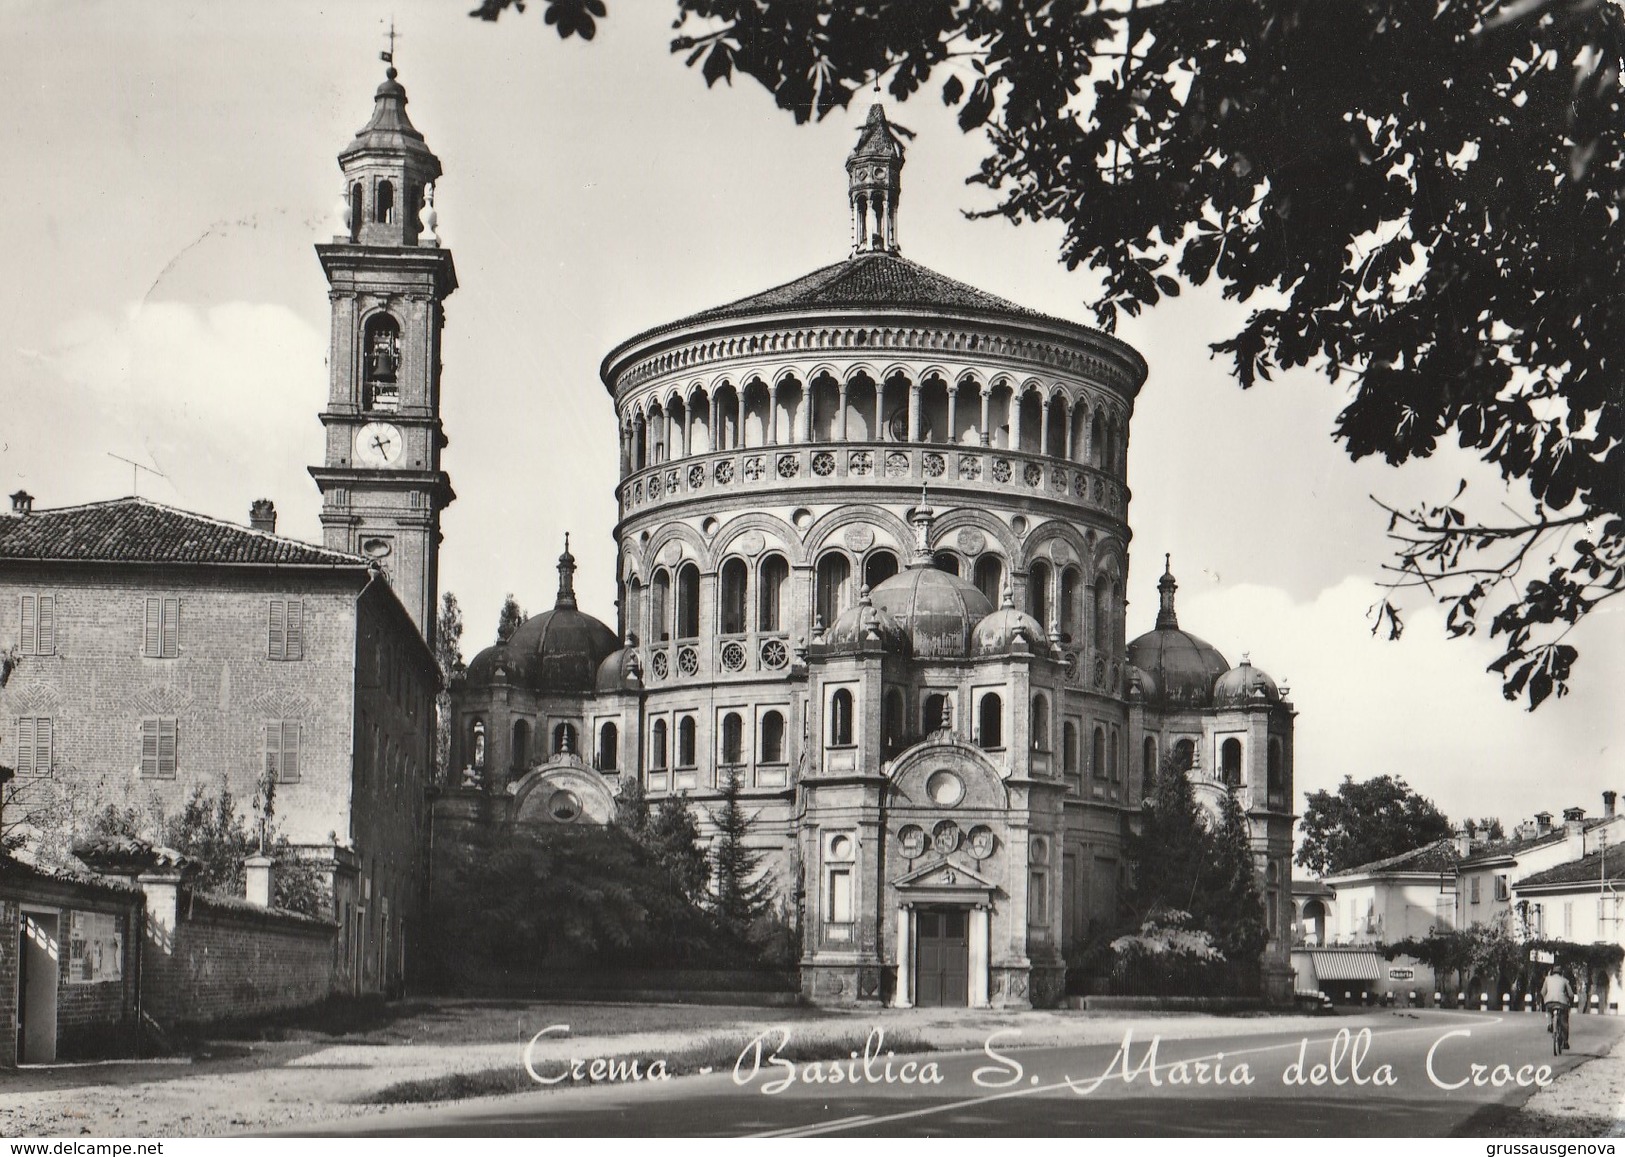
1000 631
622 670
936 610
866 624
1245 686
1182 667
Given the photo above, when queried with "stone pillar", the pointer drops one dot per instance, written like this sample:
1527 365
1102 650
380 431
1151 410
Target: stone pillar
987 396
773 414
978 956
904 997
914 411
953 410
840 421
1071 429
1043 425
804 424
1015 418
261 880
879 434
162 888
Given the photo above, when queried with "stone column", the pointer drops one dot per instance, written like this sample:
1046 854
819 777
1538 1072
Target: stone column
804 425
1015 418
904 997
914 411
840 422
953 409
773 414
1071 428
987 396
978 956
1043 425
879 434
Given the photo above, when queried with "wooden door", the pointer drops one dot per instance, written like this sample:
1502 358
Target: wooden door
942 957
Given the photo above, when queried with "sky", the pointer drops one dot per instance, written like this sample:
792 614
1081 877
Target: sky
170 167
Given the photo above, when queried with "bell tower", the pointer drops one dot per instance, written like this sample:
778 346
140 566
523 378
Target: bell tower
388 279
874 172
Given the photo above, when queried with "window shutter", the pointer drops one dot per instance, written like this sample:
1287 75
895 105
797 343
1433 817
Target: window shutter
25 746
166 747
273 750
151 641
290 752
46 638
277 646
29 620
42 747
149 744
172 628
295 645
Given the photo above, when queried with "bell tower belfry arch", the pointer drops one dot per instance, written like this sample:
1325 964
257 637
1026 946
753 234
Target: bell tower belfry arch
388 279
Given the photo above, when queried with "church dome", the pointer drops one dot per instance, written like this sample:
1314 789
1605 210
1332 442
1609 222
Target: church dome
1182 667
999 631
1142 686
622 670
1245 685
558 652
864 624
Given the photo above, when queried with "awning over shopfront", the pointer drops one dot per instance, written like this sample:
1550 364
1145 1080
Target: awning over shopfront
1347 965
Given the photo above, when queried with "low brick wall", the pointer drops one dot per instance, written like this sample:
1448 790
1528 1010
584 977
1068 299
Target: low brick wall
223 959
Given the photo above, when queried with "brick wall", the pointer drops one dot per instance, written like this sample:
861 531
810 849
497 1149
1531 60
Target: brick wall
10 916
224 959
98 1019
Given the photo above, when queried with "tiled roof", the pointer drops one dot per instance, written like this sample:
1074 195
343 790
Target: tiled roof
136 530
1516 845
1587 870
1439 856
869 279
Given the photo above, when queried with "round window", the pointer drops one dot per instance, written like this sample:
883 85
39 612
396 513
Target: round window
945 788
840 848
564 806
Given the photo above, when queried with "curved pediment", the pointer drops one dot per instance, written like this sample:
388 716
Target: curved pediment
563 790
941 773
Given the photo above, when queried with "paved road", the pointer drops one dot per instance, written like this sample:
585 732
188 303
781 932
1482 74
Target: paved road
1376 1083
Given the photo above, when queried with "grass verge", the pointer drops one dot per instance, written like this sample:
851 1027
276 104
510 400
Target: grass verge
709 1055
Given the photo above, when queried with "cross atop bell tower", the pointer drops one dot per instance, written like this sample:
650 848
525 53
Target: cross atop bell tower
874 172
388 278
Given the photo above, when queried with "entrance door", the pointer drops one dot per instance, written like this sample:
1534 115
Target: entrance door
36 989
942 960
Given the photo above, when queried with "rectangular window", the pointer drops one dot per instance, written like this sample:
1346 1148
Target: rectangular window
1474 890
159 743
838 896
34 735
1501 888
1568 919
37 623
287 629
161 637
282 750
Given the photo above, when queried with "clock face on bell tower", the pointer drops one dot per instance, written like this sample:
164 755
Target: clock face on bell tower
388 278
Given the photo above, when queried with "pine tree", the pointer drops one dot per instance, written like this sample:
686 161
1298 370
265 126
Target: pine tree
448 656
744 894
1235 916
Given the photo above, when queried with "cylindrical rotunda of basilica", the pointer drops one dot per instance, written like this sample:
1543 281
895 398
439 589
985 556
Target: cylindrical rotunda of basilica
773 448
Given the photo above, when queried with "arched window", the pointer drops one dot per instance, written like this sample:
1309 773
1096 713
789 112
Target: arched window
731 597
733 738
355 211
878 567
1097 442
1148 765
685 742
936 713
476 742
688 601
772 746
1071 589
1230 762
1040 723
834 591
990 721
1101 636
634 604
989 578
1116 769
1038 593
1275 781
773 575
384 210
657 745
1185 754
1097 763
609 747
1069 749
945 561
521 745
381 364
564 739
891 717
840 718
660 607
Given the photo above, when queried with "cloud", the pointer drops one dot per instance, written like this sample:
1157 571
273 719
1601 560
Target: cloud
1423 707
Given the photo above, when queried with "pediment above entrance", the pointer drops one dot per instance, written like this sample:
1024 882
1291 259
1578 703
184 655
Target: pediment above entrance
943 880
944 776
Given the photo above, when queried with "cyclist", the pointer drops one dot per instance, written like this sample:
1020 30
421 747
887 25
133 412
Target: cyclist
1557 994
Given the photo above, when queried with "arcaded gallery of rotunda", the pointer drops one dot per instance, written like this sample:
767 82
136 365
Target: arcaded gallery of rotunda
873 543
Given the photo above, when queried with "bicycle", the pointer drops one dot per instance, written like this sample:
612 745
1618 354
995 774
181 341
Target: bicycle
1558 1014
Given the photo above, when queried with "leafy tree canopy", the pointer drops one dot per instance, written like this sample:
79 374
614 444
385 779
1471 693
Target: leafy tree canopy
1366 821
510 619
1420 199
